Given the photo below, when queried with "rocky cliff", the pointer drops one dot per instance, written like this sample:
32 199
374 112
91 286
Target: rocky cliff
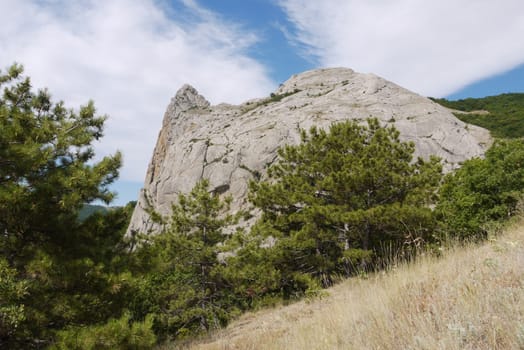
230 145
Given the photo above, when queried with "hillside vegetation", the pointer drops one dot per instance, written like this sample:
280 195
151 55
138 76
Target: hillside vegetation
505 118
90 209
471 298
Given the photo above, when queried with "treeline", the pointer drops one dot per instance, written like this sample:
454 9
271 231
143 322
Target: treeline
343 201
505 118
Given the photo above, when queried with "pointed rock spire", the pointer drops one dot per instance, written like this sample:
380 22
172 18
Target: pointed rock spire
186 98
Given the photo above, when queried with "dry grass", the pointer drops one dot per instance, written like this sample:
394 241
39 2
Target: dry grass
471 298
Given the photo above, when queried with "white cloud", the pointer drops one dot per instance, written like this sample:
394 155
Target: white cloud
130 57
431 47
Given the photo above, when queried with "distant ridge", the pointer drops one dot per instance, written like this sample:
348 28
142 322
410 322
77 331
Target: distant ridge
503 114
90 209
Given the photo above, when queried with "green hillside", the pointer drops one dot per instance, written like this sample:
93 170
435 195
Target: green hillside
89 209
505 118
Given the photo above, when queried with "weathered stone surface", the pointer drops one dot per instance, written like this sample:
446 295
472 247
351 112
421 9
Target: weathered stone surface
231 145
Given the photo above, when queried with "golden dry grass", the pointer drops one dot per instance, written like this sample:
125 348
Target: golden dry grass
472 298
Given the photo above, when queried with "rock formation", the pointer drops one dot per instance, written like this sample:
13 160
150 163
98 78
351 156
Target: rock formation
230 145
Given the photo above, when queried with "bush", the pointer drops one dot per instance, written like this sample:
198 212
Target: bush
482 191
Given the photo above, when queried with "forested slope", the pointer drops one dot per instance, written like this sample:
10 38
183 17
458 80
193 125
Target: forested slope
505 118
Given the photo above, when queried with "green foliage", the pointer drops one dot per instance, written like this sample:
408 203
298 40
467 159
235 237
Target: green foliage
115 334
483 190
12 292
339 195
505 118
254 279
186 288
44 172
58 271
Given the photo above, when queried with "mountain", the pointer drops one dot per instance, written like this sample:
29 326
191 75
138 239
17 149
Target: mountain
231 145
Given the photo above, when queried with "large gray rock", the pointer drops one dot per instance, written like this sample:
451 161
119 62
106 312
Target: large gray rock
230 145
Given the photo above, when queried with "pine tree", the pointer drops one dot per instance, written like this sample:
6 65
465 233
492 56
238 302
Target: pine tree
338 197
189 290
58 269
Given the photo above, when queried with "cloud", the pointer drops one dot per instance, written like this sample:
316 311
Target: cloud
431 47
130 57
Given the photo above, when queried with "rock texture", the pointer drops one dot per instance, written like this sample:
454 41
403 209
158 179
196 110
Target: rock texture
231 145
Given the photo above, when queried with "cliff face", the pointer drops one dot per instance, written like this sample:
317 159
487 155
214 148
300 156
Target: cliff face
230 145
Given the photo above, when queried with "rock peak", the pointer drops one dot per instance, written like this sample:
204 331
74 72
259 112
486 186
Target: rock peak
187 97
232 145
186 90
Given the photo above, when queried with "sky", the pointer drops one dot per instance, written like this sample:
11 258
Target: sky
131 56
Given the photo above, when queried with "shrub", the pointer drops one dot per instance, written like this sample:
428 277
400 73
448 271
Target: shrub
483 190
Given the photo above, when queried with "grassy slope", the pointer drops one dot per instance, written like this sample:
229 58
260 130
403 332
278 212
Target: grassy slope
505 118
471 298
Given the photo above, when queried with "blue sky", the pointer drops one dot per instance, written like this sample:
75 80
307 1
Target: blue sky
131 56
